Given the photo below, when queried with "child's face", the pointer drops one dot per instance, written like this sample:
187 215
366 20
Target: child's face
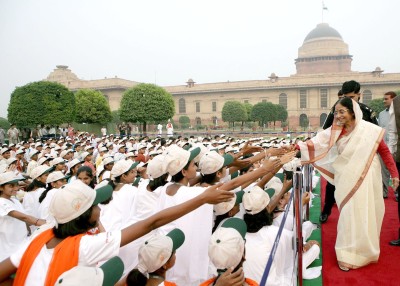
85 178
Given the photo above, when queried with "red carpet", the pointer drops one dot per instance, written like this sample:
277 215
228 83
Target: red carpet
385 272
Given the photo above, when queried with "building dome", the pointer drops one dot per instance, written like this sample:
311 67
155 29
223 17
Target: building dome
323 51
323 30
63 75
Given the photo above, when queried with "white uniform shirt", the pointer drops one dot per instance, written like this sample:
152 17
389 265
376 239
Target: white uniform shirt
31 204
92 249
258 249
118 213
13 231
191 268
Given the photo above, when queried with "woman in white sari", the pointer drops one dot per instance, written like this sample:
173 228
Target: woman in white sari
345 154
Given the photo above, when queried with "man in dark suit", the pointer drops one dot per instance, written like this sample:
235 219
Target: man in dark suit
350 89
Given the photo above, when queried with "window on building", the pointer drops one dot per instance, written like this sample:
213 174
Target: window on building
264 100
367 97
246 101
283 100
303 121
197 106
303 98
323 94
215 120
322 119
214 106
182 105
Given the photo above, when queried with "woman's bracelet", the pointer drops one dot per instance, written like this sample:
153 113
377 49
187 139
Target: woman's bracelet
36 221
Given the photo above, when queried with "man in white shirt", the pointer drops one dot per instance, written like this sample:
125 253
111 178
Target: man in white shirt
103 131
384 117
159 128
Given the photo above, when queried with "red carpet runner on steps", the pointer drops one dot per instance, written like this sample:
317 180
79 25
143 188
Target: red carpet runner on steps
385 272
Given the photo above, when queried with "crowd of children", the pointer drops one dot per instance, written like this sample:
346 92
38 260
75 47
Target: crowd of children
139 211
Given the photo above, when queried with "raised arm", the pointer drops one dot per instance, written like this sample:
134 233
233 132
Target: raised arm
213 195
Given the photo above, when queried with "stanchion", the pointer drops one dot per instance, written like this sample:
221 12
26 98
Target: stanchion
298 209
306 188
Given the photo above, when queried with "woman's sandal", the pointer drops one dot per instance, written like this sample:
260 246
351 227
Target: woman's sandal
344 268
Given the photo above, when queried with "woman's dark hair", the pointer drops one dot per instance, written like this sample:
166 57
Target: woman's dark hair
136 278
348 103
89 172
71 170
35 185
118 179
158 182
77 226
218 220
179 176
257 221
210 178
44 194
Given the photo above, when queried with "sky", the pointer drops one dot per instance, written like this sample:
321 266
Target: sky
169 41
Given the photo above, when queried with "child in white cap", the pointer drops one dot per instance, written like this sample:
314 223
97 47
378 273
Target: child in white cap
54 181
106 275
75 210
118 213
156 257
35 189
13 217
226 250
73 166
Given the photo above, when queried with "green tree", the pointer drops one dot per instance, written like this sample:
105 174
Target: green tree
184 121
4 123
41 102
304 122
281 114
233 111
115 117
377 105
263 112
248 107
146 103
92 107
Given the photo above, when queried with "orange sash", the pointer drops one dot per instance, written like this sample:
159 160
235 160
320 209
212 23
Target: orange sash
65 257
211 280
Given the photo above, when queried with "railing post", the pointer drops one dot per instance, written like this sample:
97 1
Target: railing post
298 209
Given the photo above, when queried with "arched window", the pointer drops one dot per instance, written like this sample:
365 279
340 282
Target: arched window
283 100
215 120
322 119
198 121
303 120
367 97
182 105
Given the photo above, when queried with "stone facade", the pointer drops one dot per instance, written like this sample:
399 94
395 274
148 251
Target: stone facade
323 64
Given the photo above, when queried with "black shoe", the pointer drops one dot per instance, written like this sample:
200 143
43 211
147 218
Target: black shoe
323 217
395 242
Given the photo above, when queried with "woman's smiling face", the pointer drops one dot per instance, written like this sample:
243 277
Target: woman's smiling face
343 114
